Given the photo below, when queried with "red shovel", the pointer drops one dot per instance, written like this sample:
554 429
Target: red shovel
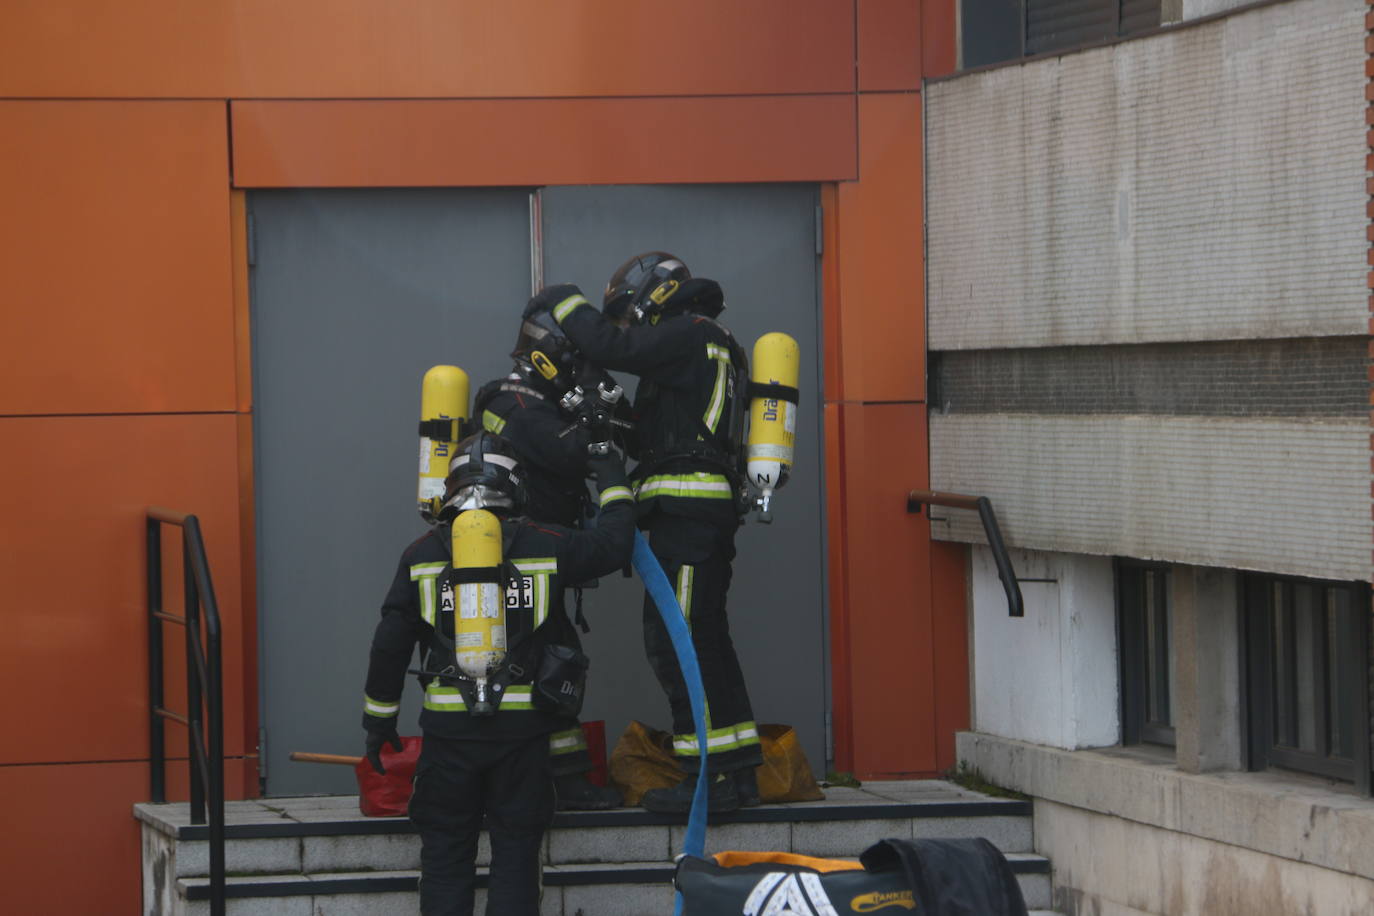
378 795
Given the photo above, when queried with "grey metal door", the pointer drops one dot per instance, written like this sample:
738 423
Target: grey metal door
759 241
355 294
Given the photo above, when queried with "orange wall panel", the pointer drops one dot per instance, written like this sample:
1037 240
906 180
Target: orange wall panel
73 842
114 258
891 647
889 44
543 141
939 42
882 277
949 620
72 560
424 48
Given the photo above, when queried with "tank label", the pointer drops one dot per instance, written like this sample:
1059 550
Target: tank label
424 455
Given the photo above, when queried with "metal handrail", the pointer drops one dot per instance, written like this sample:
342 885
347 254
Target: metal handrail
983 506
204 686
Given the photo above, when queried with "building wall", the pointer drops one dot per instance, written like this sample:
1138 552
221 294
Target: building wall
126 378
1049 677
1149 325
1148 307
1194 185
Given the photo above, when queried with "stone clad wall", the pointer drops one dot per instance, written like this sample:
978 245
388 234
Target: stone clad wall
1148 299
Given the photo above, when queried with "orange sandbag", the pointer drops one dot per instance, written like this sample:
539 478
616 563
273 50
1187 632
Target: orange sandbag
785 776
643 760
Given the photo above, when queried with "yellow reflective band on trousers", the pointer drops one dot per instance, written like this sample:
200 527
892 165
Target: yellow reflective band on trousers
448 699
567 306
684 592
567 742
697 485
718 740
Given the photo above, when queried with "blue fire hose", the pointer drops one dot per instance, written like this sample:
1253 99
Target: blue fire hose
656 583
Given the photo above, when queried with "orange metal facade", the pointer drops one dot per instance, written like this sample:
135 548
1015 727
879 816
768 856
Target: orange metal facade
126 134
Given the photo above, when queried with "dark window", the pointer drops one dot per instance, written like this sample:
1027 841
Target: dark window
1308 676
994 31
1146 647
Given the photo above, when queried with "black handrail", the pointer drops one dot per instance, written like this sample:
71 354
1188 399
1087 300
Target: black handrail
204 688
983 506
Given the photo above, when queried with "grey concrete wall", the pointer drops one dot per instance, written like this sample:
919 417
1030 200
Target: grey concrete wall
1280 496
1206 183
1115 216
1130 833
1109 866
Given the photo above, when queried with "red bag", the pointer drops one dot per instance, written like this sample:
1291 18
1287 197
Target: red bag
388 795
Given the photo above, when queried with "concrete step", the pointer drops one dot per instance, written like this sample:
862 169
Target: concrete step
321 855
327 833
621 889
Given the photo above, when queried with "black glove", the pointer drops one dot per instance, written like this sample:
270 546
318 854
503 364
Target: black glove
607 468
548 297
374 743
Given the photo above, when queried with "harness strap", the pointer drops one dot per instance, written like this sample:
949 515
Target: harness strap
774 392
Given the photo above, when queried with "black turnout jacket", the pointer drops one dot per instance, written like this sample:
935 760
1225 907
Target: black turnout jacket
685 406
545 558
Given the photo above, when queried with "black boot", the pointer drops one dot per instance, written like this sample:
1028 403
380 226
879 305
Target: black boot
577 793
720 796
747 787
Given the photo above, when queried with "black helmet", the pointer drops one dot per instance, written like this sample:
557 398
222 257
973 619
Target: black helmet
544 357
642 285
484 473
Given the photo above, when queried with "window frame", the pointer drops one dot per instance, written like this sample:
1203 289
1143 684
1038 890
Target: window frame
1257 620
1135 679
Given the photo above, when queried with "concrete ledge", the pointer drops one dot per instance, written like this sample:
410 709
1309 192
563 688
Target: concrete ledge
1295 817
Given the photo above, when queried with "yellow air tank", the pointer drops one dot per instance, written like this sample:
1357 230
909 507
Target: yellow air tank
479 619
772 420
443 400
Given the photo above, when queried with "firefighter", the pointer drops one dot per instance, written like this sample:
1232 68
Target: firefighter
524 409
486 747
658 322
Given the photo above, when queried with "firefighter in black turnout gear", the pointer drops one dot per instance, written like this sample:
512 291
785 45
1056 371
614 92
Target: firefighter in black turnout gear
493 766
659 323
524 408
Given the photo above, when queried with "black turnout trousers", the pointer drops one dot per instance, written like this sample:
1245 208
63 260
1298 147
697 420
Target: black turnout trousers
458 782
696 558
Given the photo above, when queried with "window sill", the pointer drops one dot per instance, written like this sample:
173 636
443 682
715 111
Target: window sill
1298 817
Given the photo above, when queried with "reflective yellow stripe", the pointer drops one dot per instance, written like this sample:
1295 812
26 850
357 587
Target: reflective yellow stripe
684 592
379 709
611 494
568 306
449 699
718 740
492 423
713 409
701 485
567 742
427 574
